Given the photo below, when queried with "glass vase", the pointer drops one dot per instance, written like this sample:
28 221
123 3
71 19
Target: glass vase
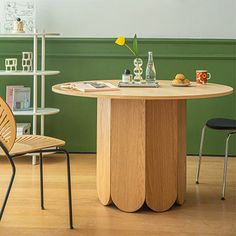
138 71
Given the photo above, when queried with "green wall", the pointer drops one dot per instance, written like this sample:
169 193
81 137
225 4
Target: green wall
89 59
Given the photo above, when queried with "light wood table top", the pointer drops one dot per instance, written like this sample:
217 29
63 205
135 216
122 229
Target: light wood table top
165 92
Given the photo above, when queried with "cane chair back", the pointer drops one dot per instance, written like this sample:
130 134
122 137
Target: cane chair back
7 126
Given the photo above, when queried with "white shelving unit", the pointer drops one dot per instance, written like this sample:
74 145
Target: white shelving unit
40 112
26 73
36 110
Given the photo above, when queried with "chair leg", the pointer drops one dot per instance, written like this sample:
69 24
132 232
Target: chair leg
9 186
200 154
69 187
41 180
225 167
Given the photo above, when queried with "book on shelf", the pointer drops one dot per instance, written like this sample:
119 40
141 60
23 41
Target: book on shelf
21 99
9 94
90 86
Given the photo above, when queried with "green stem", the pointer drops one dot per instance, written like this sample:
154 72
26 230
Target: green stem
130 49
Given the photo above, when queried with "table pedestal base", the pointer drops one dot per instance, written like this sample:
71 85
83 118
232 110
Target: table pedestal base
141 153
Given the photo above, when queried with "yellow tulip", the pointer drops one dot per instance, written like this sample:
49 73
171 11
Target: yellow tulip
120 41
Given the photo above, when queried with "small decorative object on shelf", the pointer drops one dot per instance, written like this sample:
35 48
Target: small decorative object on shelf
137 61
150 70
11 64
27 61
21 99
126 77
18 26
22 128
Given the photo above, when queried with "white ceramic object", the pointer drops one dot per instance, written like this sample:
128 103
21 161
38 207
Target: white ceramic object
18 26
11 64
27 61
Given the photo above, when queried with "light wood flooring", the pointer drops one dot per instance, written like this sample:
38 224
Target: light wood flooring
202 214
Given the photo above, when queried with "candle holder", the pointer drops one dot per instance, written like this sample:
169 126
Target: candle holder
138 71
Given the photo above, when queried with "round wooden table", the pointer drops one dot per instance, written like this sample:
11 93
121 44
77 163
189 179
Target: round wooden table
141 143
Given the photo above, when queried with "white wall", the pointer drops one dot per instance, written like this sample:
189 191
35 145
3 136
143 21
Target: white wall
147 18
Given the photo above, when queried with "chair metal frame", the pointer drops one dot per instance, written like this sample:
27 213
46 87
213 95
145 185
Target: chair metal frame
7 142
57 150
225 159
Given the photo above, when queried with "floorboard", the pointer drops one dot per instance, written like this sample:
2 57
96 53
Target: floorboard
202 214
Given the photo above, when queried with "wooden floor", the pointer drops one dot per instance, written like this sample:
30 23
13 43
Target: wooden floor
202 214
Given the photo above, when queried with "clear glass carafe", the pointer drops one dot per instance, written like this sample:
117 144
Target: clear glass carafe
150 70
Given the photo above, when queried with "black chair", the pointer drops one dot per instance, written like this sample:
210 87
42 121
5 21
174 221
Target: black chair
218 124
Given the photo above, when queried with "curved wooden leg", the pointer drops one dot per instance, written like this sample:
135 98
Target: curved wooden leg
165 145
181 150
128 154
103 150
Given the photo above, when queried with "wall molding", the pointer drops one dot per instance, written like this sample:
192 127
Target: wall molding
186 49
100 55
143 40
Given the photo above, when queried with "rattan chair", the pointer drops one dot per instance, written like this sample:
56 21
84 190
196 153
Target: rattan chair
13 146
218 124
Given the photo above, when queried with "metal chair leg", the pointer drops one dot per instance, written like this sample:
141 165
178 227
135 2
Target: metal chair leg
200 154
225 167
9 186
69 187
41 180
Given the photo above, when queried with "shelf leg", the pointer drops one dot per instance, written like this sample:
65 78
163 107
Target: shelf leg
42 82
35 90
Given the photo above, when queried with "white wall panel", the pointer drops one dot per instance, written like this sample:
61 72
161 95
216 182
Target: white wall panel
147 18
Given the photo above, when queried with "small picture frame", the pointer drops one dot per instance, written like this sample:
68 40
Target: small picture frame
21 99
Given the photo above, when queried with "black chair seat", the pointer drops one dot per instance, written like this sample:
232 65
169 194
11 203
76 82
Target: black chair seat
218 124
221 123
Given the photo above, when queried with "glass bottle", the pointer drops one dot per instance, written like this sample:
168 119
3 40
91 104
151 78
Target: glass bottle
150 70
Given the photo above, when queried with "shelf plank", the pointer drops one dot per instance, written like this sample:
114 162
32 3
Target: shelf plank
28 73
29 35
40 111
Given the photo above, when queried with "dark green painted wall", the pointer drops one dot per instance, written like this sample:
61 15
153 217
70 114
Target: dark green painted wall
89 59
